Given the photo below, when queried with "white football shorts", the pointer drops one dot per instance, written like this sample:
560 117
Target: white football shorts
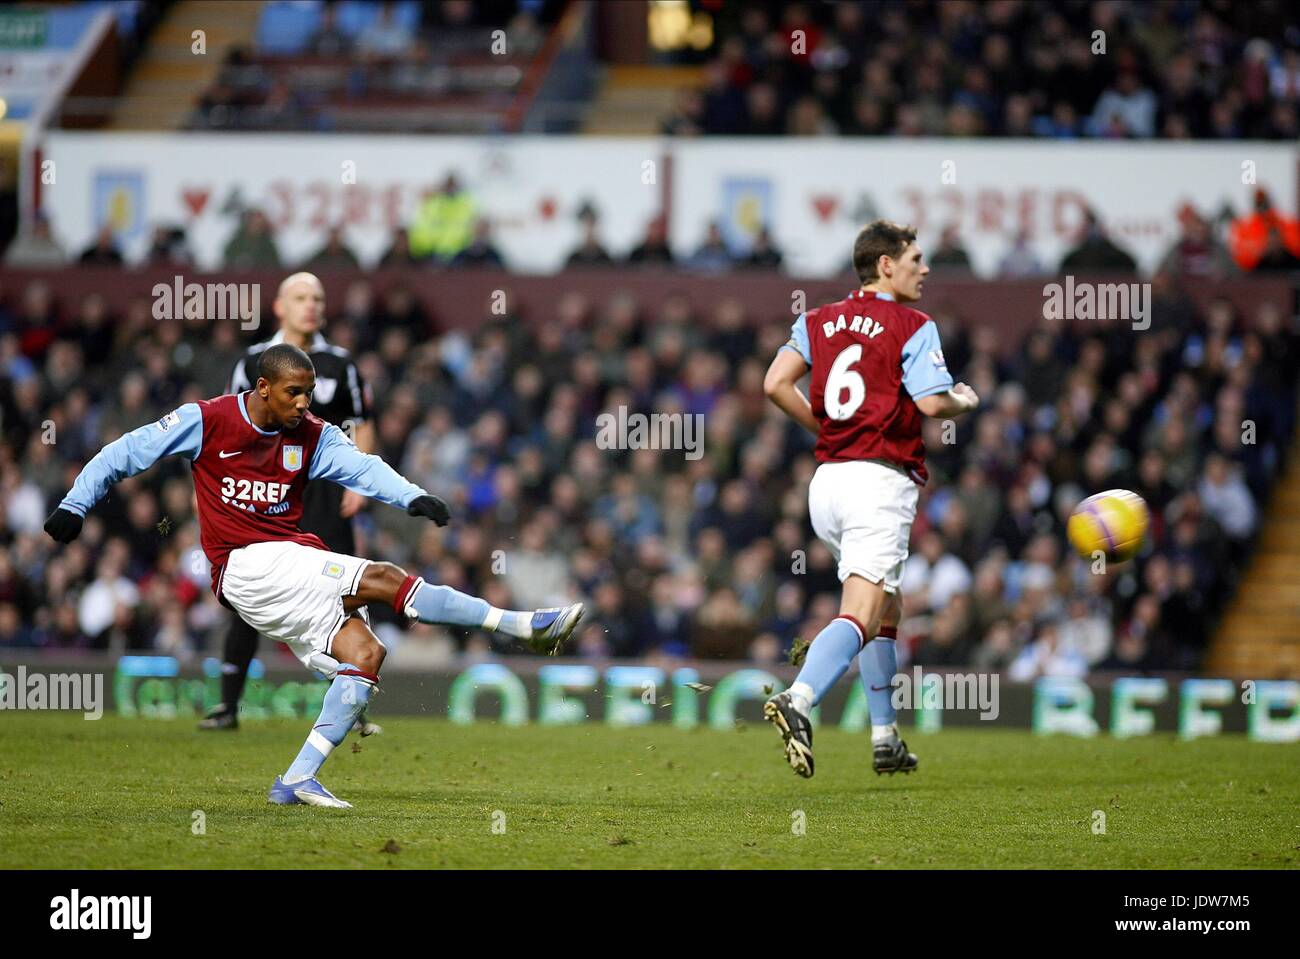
292 593
863 511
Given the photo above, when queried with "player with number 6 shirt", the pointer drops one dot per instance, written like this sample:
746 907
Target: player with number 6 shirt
876 368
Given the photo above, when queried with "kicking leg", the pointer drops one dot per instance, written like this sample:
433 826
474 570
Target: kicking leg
240 647
360 655
545 630
877 666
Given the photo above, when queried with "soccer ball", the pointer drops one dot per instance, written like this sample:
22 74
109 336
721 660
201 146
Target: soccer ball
1113 522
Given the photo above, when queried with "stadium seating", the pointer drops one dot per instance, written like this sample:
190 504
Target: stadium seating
1175 70
310 72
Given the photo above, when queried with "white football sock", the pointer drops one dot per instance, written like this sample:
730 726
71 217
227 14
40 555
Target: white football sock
884 734
802 695
512 622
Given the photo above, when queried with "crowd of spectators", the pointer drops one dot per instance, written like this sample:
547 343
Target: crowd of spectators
448 230
676 556
410 66
1182 69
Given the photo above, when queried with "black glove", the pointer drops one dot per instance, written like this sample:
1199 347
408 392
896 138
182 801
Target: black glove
63 525
430 507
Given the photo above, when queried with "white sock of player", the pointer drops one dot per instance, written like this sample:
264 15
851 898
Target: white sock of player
884 734
802 694
512 622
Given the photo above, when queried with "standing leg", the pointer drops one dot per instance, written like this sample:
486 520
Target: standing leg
322 514
877 666
360 655
364 724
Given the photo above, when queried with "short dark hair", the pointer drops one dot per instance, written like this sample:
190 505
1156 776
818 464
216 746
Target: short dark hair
281 359
879 238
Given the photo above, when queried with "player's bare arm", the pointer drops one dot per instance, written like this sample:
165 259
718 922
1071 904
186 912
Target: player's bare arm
781 387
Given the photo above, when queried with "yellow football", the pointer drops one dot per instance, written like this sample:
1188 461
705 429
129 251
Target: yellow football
1113 523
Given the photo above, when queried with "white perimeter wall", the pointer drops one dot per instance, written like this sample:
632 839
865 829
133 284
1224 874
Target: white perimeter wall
813 192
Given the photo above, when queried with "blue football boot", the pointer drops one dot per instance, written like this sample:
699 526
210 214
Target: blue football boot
551 627
308 792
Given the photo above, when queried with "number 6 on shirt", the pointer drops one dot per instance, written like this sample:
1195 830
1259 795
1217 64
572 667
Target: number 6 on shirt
842 377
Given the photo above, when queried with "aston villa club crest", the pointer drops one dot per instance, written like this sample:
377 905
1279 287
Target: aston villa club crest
292 457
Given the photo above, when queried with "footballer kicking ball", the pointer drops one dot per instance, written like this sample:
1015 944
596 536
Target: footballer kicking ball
1113 523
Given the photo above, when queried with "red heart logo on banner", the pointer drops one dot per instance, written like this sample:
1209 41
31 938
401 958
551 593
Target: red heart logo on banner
547 208
825 206
195 200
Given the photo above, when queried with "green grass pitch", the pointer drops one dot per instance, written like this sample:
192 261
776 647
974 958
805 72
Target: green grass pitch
122 793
